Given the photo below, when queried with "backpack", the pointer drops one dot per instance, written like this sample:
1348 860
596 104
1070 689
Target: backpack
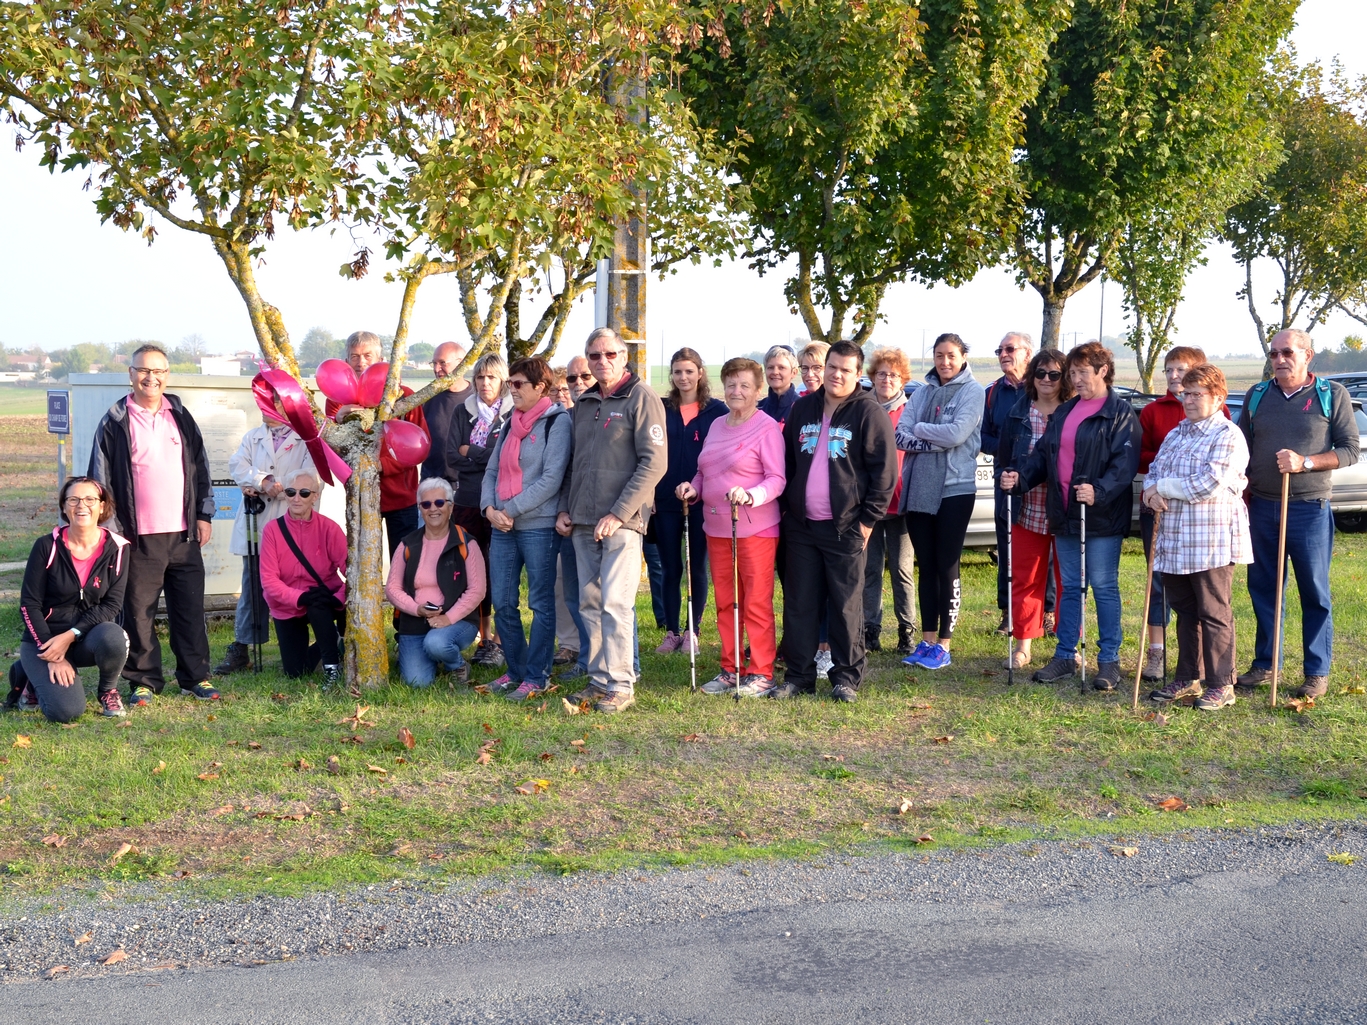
1322 389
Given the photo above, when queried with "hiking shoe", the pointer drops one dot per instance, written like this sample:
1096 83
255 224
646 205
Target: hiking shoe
590 694
1313 687
141 697
332 676
1175 691
756 686
525 690
28 699
488 654
1107 676
1004 627
565 657
501 684
723 683
919 652
1254 676
1055 669
823 664
786 690
904 645
1050 625
461 673
937 657
871 639
1215 698
844 693
236 658
201 692
670 643
1154 664
614 703
111 705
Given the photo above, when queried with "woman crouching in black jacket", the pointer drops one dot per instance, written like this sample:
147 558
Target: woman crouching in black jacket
72 594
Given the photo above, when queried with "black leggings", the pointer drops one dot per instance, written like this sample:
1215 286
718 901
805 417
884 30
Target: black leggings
297 656
938 540
104 646
669 531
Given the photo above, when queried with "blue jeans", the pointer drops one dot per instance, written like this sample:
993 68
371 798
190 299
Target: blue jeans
1309 545
669 529
509 552
420 655
1103 577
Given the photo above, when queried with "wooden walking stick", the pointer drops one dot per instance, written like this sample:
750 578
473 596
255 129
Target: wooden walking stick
1144 616
1281 584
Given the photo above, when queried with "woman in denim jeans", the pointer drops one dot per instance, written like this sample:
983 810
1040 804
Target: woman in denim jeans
436 582
519 496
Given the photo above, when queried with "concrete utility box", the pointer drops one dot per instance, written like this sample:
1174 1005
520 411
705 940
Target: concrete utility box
225 410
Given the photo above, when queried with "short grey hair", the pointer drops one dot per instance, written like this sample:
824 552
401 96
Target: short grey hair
437 484
785 352
303 471
1020 336
358 338
145 348
602 332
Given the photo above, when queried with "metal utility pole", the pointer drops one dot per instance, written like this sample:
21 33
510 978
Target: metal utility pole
630 262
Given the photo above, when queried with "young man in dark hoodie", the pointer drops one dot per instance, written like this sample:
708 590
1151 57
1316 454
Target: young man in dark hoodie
841 462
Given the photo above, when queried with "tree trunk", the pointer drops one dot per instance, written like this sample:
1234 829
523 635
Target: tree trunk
1053 323
367 649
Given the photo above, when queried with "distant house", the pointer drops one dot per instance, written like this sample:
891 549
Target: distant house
219 366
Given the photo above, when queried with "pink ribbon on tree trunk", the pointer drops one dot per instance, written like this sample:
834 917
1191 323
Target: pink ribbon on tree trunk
270 386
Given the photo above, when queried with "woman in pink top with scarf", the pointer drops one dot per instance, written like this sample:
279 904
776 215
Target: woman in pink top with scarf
742 461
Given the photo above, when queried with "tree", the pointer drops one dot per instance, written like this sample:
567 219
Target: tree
1309 216
1352 343
876 140
1146 105
422 352
1151 263
318 345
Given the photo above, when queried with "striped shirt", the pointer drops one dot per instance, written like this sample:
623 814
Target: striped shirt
1034 507
1199 469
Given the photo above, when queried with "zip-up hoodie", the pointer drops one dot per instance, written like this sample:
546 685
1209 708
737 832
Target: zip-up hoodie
545 452
111 463
862 453
52 599
941 430
619 455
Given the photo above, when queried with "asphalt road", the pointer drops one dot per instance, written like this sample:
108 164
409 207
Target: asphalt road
1272 933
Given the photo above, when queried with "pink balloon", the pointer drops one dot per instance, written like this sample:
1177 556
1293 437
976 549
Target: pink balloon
405 443
337 381
370 392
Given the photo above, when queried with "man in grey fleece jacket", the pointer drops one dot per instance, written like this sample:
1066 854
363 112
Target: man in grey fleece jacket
605 504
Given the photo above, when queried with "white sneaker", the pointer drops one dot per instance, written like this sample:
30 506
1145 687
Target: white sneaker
823 664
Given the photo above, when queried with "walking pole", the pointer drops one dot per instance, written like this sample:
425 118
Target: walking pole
1281 583
255 506
735 591
1144 617
1010 601
688 578
1082 626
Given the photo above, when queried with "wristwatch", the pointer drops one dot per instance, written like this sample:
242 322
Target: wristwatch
1309 463
75 631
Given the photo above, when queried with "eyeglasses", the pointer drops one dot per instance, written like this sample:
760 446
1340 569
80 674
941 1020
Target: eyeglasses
301 492
1283 353
77 500
887 375
435 503
598 357
811 368
150 371
1048 375
569 378
1006 350
518 384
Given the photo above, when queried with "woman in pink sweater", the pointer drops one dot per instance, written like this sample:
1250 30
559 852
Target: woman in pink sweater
742 462
296 597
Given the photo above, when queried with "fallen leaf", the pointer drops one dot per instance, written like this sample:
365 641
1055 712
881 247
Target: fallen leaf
534 786
406 738
904 807
570 707
22 741
334 765
924 707
1172 804
925 838
1342 858
54 840
181 873
214 765
55 971
832 758
277 697
480 688
301 765
207 775
1299 704
573 770
1157 718
126 722
689 737
1355 689
216 812
942 740
357 720
740 834
545 756
1123 852
116 956
161 767
84 938
400 760
232 743
124 848
253 745
377 770
400 848
524 790
211 717
353 739
483 758
487 727
489 745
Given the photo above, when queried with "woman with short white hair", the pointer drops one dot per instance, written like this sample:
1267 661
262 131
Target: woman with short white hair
781 374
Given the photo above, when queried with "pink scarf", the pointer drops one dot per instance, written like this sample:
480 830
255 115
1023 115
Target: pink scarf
509 466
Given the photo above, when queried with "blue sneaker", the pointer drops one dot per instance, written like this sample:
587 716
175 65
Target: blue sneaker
914 659
936 658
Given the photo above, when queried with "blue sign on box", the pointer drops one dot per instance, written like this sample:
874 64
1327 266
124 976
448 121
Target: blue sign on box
227 499
59 412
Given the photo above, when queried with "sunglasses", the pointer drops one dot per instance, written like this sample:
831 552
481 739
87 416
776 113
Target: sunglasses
1006 350
301 492
436 503
1048 375
1283 353
598 357
519 385
578 377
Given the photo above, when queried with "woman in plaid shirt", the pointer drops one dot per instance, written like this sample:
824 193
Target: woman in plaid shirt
1197 481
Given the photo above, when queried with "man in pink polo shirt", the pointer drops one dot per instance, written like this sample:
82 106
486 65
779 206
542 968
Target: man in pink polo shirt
148 451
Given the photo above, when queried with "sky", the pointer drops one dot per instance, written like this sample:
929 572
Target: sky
66 279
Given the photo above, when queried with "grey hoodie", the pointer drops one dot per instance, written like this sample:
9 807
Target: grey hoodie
941 432
544 454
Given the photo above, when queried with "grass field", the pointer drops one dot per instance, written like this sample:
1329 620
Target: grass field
238 796
16 401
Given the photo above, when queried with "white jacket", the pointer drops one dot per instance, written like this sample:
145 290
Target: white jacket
254 461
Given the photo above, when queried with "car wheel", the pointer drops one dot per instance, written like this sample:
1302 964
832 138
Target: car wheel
1350 523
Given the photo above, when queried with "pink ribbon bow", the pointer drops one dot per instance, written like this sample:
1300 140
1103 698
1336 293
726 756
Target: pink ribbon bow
271 385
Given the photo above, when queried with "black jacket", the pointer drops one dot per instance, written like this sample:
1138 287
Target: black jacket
111 463
1106 456
864 469
469 468
452 577
52 599
683 442
999 403
779 406
1013 449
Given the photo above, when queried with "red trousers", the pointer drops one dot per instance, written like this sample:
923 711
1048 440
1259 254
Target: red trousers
1029 559
756 558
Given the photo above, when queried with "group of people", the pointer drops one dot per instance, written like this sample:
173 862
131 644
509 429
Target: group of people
570 475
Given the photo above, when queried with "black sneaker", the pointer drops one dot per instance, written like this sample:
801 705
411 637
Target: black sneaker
332 676
1107 676
1055 669
235 659
488 654
202 691
871 640
28 699
1255 675
840 692
787 690
905 645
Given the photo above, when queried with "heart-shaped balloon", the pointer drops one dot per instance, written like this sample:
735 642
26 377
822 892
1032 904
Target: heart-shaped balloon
405 443
337 381
370 392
